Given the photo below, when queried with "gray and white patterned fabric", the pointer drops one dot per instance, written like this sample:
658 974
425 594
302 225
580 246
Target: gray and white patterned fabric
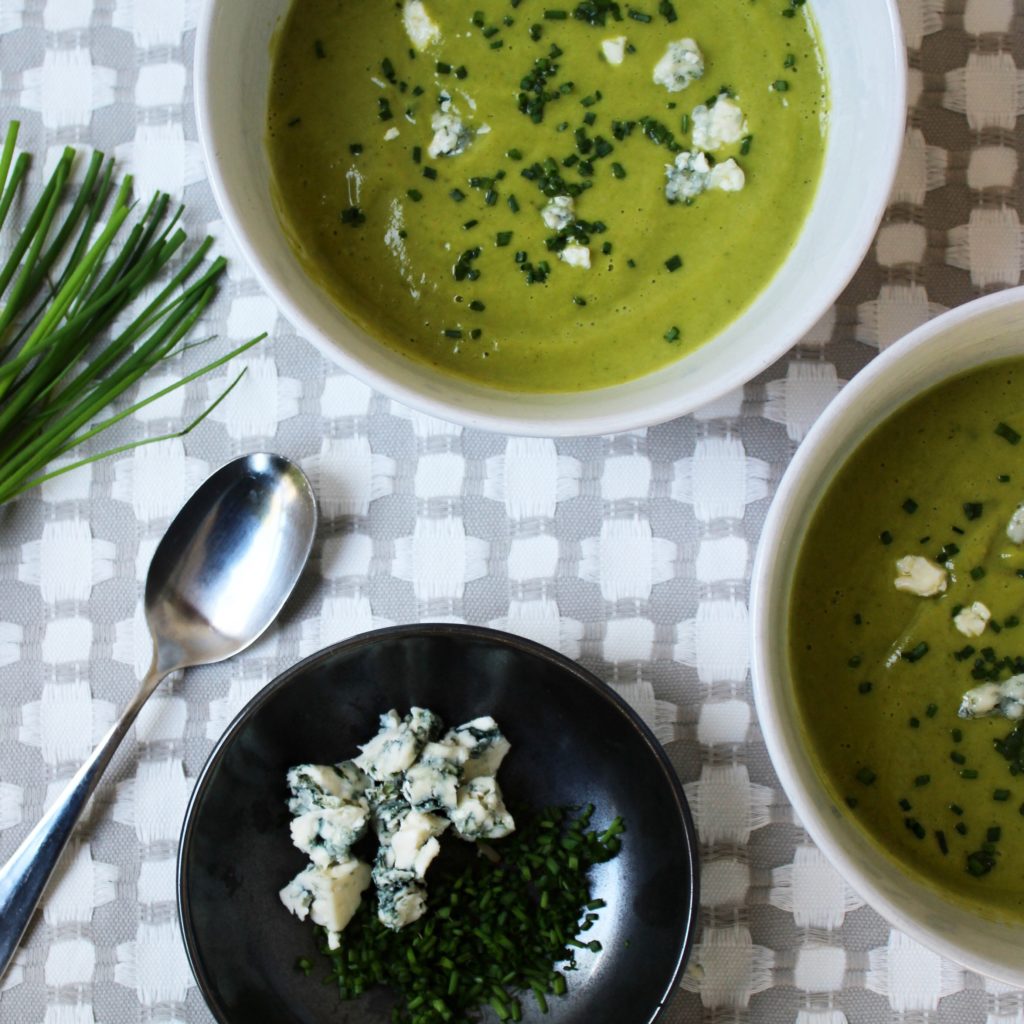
630 553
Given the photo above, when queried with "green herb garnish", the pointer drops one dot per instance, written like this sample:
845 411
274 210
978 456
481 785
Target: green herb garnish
64 283
497 927
1007 433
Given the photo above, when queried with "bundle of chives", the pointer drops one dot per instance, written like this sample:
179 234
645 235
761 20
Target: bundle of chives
62 286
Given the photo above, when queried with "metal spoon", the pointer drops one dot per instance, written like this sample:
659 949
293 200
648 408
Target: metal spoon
219 576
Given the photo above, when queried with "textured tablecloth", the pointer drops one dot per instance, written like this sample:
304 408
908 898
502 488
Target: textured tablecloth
630 553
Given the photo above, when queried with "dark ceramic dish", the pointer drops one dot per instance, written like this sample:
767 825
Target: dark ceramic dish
574 742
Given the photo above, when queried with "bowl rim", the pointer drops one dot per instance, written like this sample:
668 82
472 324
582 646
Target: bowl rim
768 563
559 421
421 630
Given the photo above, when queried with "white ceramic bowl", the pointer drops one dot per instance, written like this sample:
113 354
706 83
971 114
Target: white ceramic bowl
865 56
969 336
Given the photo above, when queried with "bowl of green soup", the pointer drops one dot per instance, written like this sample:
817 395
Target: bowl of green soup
551 220
888 615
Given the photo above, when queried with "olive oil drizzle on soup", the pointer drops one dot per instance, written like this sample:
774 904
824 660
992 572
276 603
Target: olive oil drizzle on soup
880 672
447 170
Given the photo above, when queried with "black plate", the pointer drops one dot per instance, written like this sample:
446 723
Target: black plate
574 741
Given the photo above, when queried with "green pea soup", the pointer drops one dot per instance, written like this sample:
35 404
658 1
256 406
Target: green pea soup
879 673
448 258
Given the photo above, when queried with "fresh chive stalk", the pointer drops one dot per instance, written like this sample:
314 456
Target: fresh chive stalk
74 269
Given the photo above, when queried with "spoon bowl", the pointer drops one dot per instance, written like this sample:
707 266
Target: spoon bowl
228 562
219 576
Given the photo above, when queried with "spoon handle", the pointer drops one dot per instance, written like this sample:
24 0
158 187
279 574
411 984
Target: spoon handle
23 878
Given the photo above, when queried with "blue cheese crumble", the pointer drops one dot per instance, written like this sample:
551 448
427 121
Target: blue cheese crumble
328 895
323 786
694 173
451 135
410 784
682 64
327 835
483 742
720 124
421 28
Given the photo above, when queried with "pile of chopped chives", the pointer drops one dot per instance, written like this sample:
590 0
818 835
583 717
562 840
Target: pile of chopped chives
495 932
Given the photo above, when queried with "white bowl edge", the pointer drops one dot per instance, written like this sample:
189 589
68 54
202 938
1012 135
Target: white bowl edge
862 155
979 332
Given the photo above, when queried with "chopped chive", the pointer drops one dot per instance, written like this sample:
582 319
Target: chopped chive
940 838
865 687
865 776
556 15
915 826
384 109
673 263
640 16
885 537
430 173
618 171
353 216
1007 433
922 780
452 332
502 238
1001 795
457 194
780 85
355 148
417 154
973 509
910 506
477 306
956 809
968 773
513 203
916 653
318 49
672 334
414 194
470 224
579 300
978 573
904 804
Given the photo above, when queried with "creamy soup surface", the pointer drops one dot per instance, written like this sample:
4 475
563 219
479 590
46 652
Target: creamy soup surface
545 198
906 642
